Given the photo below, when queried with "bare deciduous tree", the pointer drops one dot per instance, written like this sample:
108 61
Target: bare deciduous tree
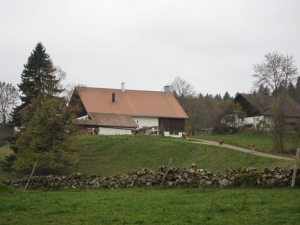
69 90
9 97
55 87
276 73
276 69
182 90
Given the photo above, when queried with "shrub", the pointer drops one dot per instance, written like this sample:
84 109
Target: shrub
247 179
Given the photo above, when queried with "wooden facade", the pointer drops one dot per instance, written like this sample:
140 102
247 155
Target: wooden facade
172 124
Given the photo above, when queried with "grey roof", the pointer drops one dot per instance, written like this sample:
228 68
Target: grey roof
261 104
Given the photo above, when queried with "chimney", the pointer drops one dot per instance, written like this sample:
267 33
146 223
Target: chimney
123 87
167 90
113 98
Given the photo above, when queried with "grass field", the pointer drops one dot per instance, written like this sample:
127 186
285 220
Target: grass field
108 155
262 142
151 206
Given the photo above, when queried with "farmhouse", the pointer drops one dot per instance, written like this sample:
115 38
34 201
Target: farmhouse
258 109
119 111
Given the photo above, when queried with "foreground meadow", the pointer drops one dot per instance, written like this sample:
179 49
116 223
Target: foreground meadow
108 155
151 206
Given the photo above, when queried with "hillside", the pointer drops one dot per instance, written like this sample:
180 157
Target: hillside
108 155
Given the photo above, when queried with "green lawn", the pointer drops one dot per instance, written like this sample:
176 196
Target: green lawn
108 155
262 142
152 206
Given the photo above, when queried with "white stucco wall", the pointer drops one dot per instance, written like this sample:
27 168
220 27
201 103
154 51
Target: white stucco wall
167 134
262 121
141 122
113 131
253 120
145 121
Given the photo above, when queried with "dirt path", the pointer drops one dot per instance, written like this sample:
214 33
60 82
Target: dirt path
206 142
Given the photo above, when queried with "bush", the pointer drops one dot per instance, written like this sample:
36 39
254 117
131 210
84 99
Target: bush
247 179
224 129
297 180
5 132
5 189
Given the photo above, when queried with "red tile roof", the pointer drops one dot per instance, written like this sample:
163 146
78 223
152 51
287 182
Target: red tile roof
131 102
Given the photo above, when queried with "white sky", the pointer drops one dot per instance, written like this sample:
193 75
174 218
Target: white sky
146 44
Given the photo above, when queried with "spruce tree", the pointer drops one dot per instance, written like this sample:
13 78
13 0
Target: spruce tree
49 137
226 96
37 78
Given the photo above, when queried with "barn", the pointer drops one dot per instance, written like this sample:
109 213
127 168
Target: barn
259 113
119 111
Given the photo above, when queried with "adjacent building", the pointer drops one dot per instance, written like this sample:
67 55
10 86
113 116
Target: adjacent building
258 109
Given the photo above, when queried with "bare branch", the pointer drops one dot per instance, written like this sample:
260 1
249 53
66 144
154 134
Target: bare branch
9 97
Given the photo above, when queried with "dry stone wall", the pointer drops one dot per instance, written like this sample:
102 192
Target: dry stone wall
176 177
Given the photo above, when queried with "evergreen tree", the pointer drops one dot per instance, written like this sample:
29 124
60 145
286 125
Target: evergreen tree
263 90
218 97
291 90
48 137
282 87
267 90
227 96
38 77
298 83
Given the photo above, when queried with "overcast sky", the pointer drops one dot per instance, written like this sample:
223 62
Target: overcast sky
147 44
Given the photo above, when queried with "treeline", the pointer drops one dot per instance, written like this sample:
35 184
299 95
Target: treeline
207 111
292 90
204 111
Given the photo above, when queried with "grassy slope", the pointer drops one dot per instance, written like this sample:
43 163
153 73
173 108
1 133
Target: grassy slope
108 155
262 142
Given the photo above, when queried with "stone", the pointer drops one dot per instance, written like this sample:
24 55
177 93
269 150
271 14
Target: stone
224 183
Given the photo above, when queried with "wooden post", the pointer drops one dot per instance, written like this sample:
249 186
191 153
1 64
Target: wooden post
73 175
168 168
295 167
30 175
